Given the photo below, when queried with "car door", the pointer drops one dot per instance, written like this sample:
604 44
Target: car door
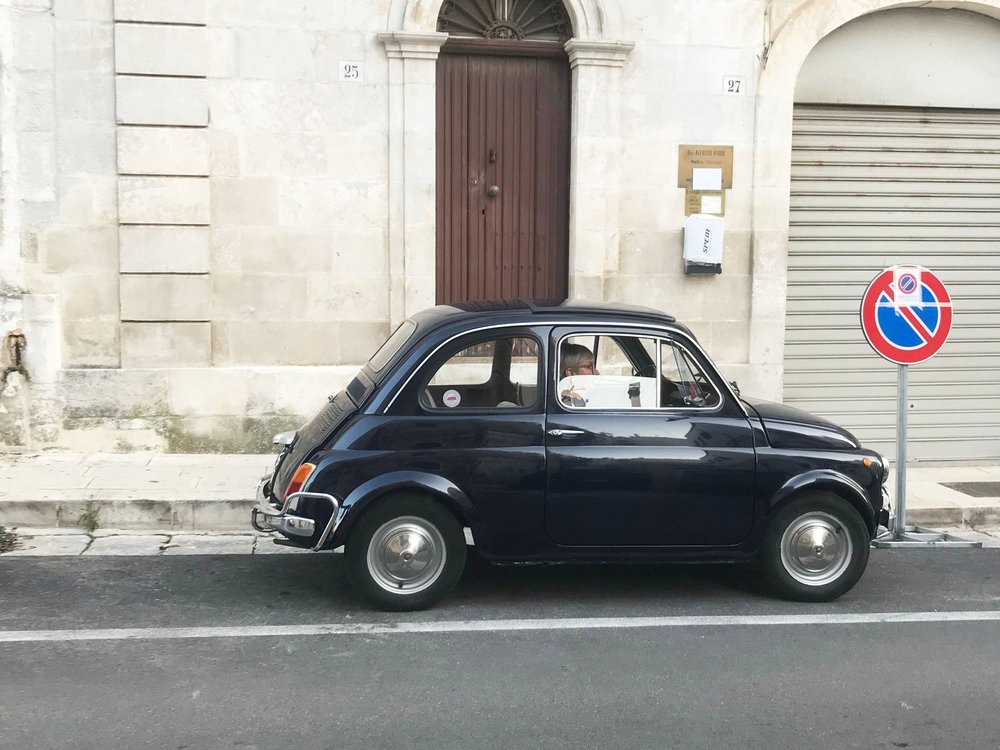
474 417
647 448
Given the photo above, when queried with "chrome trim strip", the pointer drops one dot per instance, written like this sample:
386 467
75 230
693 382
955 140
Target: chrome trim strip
560 323
272 515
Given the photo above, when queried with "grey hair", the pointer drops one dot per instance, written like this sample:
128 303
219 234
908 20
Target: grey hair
572 355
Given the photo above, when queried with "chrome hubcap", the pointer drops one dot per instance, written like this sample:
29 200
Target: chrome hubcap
406 555
816 549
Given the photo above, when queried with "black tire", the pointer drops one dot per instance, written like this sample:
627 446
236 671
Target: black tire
824 523
406 553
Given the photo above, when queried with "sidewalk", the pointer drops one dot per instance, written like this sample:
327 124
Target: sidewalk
200 504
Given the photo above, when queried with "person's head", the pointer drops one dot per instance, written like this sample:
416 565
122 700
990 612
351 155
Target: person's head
577 360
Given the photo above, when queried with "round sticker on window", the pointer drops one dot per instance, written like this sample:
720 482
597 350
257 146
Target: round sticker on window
451 399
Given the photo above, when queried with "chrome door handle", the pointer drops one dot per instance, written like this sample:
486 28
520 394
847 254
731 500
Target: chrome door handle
566 433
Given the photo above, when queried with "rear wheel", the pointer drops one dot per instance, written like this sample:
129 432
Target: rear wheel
406 553
815 549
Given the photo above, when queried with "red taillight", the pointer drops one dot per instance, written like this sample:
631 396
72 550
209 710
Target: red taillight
298 479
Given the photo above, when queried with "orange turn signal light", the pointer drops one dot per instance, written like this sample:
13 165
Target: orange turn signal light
298 479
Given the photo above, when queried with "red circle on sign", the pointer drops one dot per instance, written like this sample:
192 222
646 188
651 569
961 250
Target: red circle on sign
881 286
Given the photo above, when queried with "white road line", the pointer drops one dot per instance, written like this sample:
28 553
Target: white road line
490 626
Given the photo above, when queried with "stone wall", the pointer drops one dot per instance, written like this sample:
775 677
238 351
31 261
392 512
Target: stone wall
207 227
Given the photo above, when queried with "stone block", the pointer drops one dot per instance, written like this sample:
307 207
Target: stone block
206 391
114 393
85 148
359 341
166 344
148 100
293 154
358 155
35 103
274 343
259 297
244 201
90 343
312 14
163 200
287 250
89 295
37 149
279 54
324 201
165 297
225 249
361 247
152 11
221 53
35 41
304 390
347 296
163 151
224 152
152 49
83 249
86 96
164 249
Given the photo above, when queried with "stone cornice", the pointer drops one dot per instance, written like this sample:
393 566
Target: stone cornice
410 44
604 54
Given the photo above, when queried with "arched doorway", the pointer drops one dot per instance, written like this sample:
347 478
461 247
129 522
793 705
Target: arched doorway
885 169
503 150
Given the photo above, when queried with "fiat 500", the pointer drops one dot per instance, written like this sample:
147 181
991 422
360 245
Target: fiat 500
566 432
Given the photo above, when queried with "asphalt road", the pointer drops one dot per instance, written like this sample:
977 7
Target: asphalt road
757 672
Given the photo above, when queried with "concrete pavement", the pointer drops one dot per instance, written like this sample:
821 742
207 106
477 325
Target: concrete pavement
151 504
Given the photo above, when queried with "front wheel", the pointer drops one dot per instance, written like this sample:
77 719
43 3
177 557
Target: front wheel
406 553
815 549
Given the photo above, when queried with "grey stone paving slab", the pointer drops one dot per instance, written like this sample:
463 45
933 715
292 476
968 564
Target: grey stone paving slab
265 546
133 544
209 544
50 545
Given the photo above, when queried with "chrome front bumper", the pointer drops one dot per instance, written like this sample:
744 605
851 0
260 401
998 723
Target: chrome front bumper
268 518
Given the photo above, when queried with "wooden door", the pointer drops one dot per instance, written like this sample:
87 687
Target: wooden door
503 123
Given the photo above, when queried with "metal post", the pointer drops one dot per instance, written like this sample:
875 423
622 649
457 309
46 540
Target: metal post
901 535
901 382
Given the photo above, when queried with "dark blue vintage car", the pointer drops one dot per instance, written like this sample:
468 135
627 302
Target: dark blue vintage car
566 432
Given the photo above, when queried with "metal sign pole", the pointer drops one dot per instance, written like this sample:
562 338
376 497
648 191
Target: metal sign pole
899 531
894 294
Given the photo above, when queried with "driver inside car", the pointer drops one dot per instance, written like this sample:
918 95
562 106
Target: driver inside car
575 359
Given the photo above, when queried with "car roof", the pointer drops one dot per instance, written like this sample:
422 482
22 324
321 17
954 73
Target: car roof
526 309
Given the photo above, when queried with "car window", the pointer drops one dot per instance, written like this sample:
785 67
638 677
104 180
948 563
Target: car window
392 345
500 373
626 372
607 372
684 383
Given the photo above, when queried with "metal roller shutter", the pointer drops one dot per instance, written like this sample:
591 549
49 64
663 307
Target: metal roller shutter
872 187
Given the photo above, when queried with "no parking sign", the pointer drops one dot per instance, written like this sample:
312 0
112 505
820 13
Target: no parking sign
906 314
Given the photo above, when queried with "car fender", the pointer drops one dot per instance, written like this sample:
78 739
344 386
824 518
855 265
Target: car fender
440 488
830 481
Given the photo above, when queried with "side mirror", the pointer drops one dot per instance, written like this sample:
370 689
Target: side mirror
735 386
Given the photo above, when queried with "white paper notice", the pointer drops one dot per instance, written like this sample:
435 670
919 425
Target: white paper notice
706 179
711 204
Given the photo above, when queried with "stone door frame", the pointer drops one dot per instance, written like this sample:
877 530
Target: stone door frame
413 45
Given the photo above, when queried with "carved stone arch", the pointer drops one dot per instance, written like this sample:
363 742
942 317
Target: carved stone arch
792 40
591 19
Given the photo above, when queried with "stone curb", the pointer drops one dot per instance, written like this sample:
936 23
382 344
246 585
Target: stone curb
219 514
189 514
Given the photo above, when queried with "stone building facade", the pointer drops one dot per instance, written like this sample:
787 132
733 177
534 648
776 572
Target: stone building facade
213 211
